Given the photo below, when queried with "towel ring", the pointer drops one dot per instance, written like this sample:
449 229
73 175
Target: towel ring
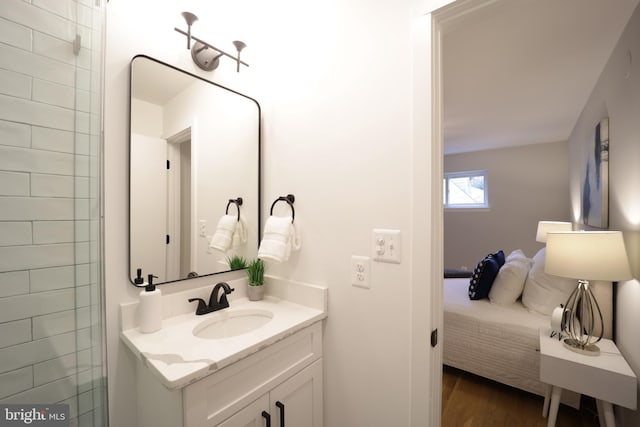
237 202
289 198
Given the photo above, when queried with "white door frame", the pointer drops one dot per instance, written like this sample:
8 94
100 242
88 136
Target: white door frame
427 209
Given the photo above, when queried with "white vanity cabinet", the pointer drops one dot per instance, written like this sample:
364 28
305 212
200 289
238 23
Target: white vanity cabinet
296 402
288 371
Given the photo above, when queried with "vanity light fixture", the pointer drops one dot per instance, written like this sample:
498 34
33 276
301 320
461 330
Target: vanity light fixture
205 55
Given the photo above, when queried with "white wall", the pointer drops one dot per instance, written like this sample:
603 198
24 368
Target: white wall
336 86
617 96
526 184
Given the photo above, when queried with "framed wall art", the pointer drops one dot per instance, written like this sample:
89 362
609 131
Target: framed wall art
595 181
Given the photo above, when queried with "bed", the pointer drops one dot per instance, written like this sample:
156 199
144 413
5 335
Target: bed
500 341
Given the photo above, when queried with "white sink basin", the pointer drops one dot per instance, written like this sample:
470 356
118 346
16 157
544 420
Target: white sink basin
232 323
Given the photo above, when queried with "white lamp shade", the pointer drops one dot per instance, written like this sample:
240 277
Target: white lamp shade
545 227
587 255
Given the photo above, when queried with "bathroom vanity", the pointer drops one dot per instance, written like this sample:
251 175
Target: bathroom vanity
257 361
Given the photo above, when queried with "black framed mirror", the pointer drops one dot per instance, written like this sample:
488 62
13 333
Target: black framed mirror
194 163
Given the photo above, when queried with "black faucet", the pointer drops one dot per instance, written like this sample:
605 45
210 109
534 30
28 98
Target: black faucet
215 303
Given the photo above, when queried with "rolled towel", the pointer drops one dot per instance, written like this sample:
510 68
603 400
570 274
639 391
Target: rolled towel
223 237
277 238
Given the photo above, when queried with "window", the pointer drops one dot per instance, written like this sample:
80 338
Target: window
467 189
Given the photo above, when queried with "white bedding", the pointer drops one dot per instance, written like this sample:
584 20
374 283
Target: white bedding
499 342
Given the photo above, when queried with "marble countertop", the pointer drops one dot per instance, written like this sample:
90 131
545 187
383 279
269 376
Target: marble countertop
177 357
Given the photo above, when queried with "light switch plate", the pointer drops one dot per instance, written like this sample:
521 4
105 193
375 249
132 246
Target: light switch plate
386 245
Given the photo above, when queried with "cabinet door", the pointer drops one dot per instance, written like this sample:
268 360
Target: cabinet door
300 397
249 416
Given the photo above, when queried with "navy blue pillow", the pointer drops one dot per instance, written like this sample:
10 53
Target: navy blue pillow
484 274
499 256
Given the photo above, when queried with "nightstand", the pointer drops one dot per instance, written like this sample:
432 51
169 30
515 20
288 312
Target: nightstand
606 377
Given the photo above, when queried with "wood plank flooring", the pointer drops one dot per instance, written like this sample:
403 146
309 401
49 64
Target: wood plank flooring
472 401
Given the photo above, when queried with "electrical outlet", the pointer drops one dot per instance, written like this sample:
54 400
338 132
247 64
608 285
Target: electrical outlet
361 271
202 225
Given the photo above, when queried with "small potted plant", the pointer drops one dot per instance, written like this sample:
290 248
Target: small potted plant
237 262
255 271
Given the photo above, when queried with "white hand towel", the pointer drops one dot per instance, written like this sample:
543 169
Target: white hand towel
223 237
278 239
240 234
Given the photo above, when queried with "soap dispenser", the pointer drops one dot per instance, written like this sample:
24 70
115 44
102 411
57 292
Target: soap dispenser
150 308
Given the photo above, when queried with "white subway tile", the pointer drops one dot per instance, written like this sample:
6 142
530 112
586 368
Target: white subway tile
54 369
26 160
81 165
48 279
16 381
83 79
82 145
21 355
60 322
83 100
28 257
83 339
12 333
15 134
14 184
38 18
15 233
51 47
83 296
28 208
15 34
64 8
55 391
51 185
83 122
36 65
36 304
85 404
53 139
83 274
14 84
82 231
82 209
53 94
81 187
22 110
83 254
45 232
14 283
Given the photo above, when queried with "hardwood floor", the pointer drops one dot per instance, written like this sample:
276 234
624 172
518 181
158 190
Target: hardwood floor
472 401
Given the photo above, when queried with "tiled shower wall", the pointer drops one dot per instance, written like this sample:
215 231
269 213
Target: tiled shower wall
51 337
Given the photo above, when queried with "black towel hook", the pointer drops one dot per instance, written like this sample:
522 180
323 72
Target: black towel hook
289 198
237 202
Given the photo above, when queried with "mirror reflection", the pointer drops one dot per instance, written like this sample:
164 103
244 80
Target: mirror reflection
194 152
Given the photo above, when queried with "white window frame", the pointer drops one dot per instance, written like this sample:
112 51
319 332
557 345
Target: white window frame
448 175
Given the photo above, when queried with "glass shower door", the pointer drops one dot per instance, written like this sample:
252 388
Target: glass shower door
51 286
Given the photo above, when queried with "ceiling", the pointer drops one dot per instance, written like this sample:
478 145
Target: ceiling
519 72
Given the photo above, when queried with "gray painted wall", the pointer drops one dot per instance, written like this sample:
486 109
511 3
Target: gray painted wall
526 184
617 96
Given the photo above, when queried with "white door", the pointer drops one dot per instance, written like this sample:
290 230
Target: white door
148 205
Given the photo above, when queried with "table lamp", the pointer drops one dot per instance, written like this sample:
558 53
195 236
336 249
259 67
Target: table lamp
545 227
585 255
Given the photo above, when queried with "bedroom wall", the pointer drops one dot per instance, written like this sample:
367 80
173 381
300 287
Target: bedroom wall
526 184
617 96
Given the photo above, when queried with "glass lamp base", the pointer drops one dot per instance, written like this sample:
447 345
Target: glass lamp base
587 350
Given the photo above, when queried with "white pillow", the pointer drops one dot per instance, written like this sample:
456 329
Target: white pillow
544 292
518 254
509 283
